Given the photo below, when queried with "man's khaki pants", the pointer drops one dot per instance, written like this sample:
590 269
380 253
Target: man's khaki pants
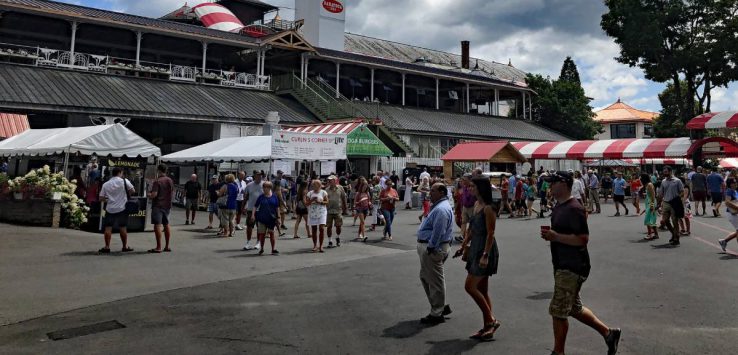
594 200
431 276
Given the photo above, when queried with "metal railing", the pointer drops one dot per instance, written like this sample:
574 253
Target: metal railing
57 58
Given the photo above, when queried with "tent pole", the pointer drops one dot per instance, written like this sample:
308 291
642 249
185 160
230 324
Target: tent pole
66 161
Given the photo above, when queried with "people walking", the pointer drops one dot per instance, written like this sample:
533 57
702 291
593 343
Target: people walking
716 186
618 193
267 213
229 192
115 193
651 211
731 202
375 191
192 188
481 256
468 200
434 238
336 208
301 211
635 191
568 236
254 189
408 200
699 191
317 214
387 199
241 183
530 196
362 204
213 188
672 207
594 192
161 204
685 224
424 189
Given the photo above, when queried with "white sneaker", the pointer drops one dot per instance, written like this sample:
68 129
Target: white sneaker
257 246
239 227
723 244
248 246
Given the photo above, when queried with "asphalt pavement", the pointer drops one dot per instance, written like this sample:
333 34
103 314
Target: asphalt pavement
208 296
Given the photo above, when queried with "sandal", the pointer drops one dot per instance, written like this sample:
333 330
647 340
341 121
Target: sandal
126 249
154 251
104 251
489 335
167 250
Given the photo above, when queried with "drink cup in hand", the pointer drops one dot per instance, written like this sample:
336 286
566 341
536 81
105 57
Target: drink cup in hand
544 230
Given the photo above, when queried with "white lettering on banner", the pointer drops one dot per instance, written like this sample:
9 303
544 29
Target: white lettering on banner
308 146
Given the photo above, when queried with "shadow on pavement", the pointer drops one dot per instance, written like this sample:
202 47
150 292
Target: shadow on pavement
640 240
729 257
664 246
403 329
96 253
547 295
451 346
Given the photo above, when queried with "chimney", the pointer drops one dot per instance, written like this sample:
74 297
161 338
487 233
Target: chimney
465 54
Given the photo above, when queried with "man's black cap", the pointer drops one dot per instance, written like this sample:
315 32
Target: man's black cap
560 176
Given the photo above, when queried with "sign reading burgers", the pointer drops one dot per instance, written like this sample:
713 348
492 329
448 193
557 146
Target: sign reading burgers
333 6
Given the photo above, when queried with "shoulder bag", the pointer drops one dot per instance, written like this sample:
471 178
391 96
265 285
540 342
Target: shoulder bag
132 206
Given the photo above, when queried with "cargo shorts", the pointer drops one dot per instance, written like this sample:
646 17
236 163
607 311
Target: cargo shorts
334 219
566 301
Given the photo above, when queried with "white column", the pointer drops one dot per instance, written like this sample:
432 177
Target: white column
468 107
74 40
497 102
523 93
371 91
437 99
139 35
204 56
338 79
263 62
258 62
302 66
403 89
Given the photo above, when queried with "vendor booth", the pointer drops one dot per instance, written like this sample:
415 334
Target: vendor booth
489 156
93 150
362 149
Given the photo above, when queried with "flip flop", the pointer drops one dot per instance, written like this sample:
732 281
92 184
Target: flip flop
154 251
104 251
126 249
167 250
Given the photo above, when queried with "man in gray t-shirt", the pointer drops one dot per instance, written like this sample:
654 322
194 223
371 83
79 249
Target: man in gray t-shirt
699 190
251 193
672 207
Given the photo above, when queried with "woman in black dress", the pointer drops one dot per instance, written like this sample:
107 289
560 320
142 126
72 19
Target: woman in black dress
481 256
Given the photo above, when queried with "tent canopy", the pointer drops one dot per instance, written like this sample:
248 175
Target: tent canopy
496 152
361 140
607 149
714 120
108 140
236 149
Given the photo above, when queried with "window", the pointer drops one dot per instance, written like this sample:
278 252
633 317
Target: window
647 131
627 130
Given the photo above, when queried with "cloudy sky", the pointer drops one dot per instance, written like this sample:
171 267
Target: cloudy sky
535 34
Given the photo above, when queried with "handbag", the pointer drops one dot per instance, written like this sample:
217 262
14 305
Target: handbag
132 206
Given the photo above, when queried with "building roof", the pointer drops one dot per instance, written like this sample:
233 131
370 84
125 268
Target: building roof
93 15
182 13
622 112
25 88
419 56
12 124
484 151
403 119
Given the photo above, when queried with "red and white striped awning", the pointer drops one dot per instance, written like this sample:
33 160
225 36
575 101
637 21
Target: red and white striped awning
12 124
327 128
606 149
676 161
714 120
729 163
217 17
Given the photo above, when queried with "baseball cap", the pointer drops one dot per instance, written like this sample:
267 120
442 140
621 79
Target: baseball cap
332 177
560 176
214 177
249 179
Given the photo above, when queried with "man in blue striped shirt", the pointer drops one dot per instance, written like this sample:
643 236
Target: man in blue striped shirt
434 239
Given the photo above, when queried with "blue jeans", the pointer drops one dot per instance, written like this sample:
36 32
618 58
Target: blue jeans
389 215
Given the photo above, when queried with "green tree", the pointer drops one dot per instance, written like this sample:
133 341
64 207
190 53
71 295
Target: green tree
561 105
669 122
684 42
569 71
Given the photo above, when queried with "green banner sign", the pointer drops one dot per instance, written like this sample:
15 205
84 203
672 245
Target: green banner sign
361 141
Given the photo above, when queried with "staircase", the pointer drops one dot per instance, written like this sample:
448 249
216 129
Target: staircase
327 104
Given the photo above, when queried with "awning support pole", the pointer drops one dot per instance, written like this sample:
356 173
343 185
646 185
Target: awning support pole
66 161
403 89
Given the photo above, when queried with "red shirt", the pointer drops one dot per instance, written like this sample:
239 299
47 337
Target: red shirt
519 190
386 205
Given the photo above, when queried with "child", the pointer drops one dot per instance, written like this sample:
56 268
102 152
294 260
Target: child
267 214
684 223
651 213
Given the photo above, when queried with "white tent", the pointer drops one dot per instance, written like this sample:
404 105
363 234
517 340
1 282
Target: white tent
236 149
105 140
